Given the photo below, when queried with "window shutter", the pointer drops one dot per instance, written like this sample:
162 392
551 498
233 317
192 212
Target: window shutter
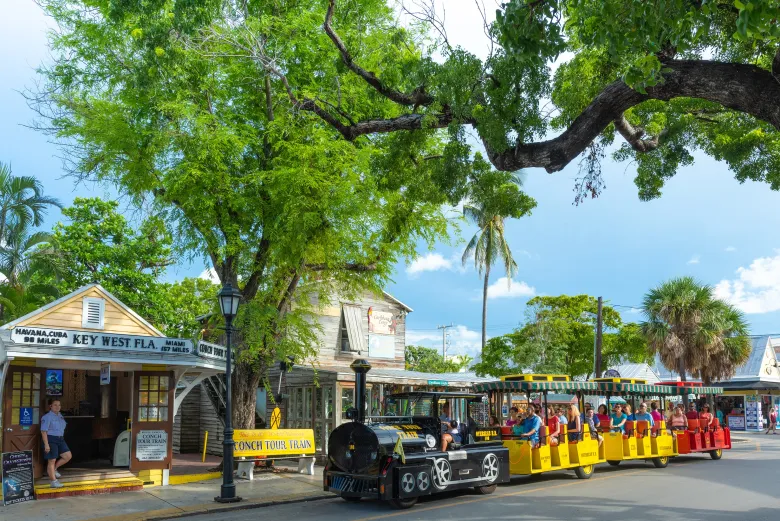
93 313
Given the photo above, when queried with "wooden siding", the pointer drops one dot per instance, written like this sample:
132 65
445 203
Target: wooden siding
209 421
67 315
331 357
187 434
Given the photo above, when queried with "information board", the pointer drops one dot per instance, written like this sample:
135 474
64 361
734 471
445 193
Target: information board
17 476
151 446
752 412
736 423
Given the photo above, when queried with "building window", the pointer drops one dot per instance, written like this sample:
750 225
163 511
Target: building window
153 399
344 334
93 313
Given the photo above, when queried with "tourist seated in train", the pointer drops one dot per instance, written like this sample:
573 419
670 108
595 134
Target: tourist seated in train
618 419
590 419
692 414
451 436
531 427
627 410
553 426
643 416
655 412
494 422
574 423
678 421
445 413
561 413
705 417
512 417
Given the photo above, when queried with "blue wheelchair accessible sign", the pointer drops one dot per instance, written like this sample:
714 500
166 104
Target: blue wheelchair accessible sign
26 416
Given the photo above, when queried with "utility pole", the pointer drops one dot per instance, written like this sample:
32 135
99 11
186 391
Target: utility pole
444 339
599 337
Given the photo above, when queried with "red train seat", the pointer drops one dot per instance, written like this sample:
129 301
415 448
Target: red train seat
693 425
642 428
629 428
603 422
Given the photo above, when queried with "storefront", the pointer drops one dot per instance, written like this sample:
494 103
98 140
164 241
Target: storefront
755 388
118 378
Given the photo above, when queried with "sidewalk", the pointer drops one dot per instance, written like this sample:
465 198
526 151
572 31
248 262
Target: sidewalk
174 501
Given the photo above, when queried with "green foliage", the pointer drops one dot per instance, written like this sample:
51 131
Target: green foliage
694 332
558 339
429 360
22 202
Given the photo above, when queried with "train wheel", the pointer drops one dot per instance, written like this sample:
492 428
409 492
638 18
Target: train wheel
403 504
614 462
351 499
661 463
716 454
486 490
584 472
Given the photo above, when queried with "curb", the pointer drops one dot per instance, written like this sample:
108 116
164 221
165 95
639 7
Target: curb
211 508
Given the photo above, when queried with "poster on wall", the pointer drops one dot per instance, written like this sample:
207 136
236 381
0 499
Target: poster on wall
17 476
54 382
151 446
776 403
381 322
752 412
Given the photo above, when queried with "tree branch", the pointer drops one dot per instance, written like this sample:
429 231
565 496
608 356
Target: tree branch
744 88
416 98
633 135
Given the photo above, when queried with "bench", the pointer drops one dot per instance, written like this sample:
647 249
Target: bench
246 465
273 444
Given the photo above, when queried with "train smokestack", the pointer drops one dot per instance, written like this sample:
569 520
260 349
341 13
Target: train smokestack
361 367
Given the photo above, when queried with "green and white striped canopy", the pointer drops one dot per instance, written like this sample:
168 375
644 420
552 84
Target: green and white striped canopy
561 387
680 391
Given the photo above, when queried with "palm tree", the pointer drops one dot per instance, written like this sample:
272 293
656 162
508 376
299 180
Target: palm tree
487 246
20 249
21 200
693 332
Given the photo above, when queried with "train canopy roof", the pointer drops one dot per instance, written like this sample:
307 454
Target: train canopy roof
618 388
535 387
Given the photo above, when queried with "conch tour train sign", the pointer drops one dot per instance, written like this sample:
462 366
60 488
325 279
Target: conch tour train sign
41 336
273 442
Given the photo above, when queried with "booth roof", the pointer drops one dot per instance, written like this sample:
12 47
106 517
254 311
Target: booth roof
752 385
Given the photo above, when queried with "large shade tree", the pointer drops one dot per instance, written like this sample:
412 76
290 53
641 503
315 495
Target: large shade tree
658 80
693 332
151 98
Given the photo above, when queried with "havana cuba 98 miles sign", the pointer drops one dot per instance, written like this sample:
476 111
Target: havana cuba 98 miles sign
42 336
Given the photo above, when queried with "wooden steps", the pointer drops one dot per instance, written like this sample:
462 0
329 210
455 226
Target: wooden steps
83 482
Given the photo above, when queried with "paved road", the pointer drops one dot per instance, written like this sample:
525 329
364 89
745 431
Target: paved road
744 485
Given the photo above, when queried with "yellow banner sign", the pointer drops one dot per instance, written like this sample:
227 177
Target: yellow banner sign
273 442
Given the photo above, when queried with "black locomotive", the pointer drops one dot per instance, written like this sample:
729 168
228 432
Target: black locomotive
398 457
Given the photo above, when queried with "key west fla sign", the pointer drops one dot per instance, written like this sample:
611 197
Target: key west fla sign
41 336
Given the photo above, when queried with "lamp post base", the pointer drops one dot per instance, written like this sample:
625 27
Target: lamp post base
234 499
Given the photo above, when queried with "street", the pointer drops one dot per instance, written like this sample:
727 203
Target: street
743 485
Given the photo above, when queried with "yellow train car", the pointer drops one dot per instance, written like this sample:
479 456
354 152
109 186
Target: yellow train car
526 457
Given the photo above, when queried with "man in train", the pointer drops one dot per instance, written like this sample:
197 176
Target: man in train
531 426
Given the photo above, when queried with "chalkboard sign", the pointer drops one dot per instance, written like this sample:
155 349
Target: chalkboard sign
18 485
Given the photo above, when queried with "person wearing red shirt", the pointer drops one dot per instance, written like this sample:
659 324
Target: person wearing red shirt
705 418
553 425
692 414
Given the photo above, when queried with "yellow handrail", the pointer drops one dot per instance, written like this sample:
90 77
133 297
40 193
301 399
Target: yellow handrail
205 444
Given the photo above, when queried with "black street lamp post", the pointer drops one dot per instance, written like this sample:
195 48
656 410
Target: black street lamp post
229 299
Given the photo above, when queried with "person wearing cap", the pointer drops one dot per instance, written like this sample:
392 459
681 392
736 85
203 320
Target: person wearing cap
692 414
643 416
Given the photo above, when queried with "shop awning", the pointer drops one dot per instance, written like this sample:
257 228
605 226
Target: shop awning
749 385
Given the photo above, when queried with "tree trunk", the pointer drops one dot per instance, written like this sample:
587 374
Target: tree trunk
246 378
683 378
484 306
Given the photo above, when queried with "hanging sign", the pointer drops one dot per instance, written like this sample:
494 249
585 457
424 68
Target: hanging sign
151 446
105 373
48 337
439 383
381 322
209 350
17 476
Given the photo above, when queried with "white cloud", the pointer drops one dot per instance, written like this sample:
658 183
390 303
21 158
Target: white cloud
210 274
504 288
463 341
730 248
694 260
635 310
757 288
429 262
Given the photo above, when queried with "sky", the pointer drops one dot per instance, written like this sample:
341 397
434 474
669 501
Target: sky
706 224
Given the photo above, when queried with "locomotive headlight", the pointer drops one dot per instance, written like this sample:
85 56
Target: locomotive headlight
430 441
